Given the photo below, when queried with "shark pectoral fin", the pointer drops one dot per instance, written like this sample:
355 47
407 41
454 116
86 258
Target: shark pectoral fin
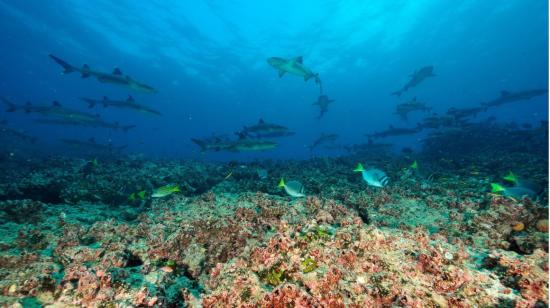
299 59
281 73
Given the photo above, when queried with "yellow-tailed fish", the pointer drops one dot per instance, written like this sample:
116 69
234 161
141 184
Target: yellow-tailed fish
166 190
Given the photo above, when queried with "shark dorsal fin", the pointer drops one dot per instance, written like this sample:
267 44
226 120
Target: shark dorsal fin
130 98
85 67
504 93
105 98
414 99
391 127
56 104
261 121
117 71
299 59
92 140
28 103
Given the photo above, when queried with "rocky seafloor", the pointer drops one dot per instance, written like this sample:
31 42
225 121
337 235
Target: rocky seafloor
434 237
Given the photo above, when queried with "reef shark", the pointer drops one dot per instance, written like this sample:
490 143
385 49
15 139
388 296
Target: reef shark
55 109
323 139
416 78
92 144
116 77
509 97
403 109
263 129
86 123
129 103
293 66
5 130
323 101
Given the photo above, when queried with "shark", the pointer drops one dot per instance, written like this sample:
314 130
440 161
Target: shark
21 134
247 145
86 123
393 131
323 101
461 113
116 77
264 129
416 78
293 66
92 144
55 110
323 139
510 97
436 121
404 109
129 103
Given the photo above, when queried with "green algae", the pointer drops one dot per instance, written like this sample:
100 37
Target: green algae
309 265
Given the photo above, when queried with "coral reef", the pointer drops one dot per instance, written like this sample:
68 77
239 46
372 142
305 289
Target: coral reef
434 237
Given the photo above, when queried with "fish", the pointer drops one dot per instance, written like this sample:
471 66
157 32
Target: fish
20 134
129 103
263 129
292 188
414 165
393 131
510 97
137 195
436 121
416 78
209 144
517 191
115 78
461 113
323 101
373 177
164 191
293 66
245 145
92 144
85 123
55 110
511 177
404 109
323 139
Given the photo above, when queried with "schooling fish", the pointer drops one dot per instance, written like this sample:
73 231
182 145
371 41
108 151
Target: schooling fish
373 177
293 188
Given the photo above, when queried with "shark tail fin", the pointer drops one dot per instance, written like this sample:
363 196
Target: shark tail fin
11 107
200 143
67 68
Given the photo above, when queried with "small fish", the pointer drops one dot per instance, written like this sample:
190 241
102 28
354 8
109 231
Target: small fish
293 188
511 177
139 195
166 190
414 165
373 177
517 192
228 175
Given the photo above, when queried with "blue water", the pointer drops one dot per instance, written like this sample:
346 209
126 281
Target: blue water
208 61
